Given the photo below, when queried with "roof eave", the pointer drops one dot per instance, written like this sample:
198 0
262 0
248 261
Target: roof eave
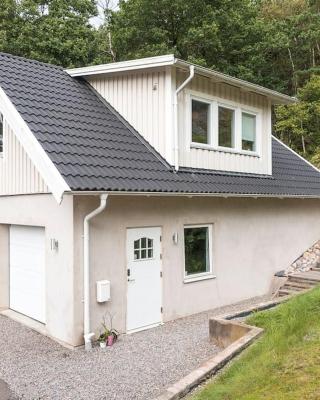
191 194
122 66
170 60
274 96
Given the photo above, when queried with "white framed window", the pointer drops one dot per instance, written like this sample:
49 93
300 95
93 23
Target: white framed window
226 125
223 125
143 249
249 131
197 252
200 121
1 133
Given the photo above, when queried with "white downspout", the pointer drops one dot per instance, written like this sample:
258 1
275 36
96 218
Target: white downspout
175 112
86 272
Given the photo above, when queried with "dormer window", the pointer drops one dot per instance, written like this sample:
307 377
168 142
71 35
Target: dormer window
249 131
226 127
200 122
223 125
1 133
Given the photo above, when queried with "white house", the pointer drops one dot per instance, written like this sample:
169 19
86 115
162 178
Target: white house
171 171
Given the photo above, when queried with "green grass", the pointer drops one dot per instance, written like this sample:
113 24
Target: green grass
284 364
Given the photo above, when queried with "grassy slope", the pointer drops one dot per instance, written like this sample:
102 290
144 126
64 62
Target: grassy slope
283 364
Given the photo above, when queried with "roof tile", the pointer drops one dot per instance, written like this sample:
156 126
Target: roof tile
94 149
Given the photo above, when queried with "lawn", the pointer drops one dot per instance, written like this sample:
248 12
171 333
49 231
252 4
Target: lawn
283 364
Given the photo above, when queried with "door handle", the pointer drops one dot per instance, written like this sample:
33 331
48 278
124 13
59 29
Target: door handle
131 280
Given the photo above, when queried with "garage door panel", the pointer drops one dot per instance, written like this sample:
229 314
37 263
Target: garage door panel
27 271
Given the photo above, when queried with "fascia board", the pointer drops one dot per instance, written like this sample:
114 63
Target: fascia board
33 148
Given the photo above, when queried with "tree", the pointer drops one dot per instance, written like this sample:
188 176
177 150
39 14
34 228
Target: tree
8 19
299 124
212 33
288 50
54 31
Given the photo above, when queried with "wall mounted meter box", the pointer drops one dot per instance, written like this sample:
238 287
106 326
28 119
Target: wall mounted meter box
103 291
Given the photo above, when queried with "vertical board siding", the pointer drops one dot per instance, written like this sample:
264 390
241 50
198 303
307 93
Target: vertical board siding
145 98
140 98
219 160
18 175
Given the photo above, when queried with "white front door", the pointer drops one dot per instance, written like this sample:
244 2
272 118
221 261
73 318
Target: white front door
144 278
27 271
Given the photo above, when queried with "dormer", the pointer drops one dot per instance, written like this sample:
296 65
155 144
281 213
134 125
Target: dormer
193 116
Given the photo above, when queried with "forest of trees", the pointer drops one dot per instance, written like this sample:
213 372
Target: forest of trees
274 43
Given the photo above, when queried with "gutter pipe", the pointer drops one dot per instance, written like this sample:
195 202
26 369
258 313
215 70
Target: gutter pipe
88 336
175 112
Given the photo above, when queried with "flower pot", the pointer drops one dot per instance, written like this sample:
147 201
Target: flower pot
110 340
103 345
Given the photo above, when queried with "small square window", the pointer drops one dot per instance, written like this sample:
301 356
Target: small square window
1 133
196 245
249 132
200 122
143 248
226 127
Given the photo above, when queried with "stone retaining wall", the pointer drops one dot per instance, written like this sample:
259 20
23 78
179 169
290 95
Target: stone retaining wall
310 258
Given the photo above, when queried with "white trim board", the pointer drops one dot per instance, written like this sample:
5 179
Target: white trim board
49 172
170 60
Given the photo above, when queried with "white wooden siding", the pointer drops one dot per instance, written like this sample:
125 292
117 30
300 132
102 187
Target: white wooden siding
18 175
145 100
140 98
217 159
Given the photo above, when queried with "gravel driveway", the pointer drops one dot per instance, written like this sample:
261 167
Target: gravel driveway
138 366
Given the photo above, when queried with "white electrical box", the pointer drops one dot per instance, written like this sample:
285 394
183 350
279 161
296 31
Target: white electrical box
103 291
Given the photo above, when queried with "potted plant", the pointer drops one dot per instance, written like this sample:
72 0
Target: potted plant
102 339
108 336
112 337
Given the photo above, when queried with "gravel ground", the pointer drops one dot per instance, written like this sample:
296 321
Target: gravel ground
138 366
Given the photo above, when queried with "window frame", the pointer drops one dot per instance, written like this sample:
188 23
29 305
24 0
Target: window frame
256 115
203 275
210 120
233 139
140 249
238 108
3 123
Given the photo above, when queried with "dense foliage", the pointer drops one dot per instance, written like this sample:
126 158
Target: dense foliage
275 43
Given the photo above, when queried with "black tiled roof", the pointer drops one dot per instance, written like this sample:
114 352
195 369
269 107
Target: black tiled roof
94 148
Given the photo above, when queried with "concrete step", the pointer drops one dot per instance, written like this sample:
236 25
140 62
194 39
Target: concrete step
292 288
286 292
298 285
304 279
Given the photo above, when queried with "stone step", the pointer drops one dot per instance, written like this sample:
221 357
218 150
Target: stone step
286 292
292 288
317 268
304 279
299 285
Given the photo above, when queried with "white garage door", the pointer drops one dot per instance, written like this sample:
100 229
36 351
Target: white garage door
27 267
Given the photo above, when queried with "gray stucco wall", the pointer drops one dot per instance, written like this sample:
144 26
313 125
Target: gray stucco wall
252 239
43 210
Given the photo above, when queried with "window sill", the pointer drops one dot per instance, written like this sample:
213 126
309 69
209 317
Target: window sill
197 278
203 146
